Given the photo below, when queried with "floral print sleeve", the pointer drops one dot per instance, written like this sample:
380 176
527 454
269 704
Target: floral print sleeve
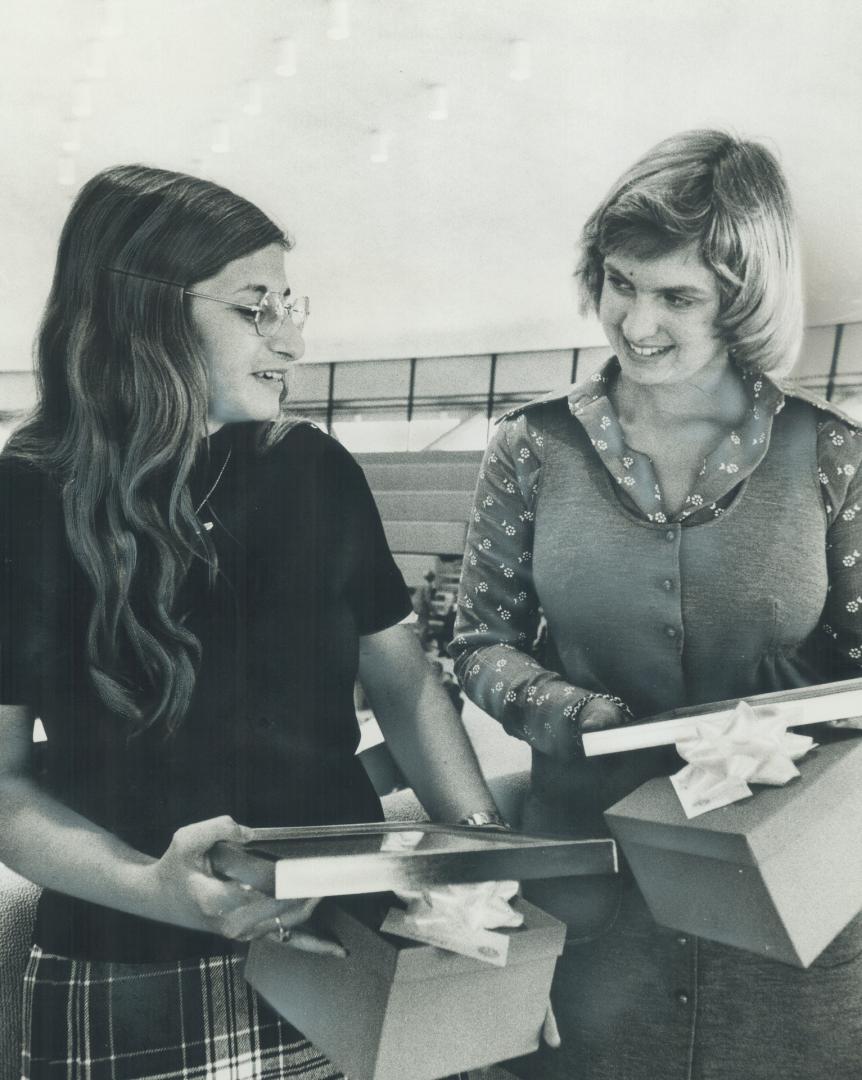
498 614
839 457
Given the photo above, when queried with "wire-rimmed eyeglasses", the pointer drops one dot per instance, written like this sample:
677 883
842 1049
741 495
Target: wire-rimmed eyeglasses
269 313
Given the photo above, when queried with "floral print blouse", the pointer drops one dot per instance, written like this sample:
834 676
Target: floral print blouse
498 617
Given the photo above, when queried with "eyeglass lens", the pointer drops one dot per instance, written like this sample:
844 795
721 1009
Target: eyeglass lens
272 310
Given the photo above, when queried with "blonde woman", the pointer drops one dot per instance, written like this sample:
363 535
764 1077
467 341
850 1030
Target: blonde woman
690 526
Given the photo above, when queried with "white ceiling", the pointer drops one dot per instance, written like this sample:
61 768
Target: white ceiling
463 241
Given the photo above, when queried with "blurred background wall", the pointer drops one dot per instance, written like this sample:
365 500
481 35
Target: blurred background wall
434 160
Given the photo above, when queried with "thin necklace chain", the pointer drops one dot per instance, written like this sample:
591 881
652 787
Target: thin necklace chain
206 497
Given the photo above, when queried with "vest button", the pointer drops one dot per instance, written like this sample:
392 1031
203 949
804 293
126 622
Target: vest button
670 631
670 536
667 585
682 997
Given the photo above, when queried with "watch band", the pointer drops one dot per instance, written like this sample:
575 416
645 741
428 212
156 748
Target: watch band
486 819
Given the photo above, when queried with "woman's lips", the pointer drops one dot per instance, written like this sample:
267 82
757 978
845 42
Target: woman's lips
274 374
646 352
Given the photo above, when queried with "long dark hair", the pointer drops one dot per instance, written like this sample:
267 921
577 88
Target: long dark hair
121 411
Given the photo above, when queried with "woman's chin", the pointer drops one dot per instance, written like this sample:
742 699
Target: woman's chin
646 372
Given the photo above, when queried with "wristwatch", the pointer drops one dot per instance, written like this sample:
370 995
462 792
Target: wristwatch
486 819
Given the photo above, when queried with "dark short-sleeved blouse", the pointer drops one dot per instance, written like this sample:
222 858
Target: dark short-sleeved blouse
271 733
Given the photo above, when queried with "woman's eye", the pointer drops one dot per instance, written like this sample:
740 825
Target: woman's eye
618 283
248 313
677 301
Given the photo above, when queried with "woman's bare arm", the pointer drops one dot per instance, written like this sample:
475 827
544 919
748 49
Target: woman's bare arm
52 845
420 726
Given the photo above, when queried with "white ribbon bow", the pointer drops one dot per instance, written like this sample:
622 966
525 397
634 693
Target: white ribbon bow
459 918
724 756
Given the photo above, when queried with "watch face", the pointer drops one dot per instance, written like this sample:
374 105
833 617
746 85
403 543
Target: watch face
341 860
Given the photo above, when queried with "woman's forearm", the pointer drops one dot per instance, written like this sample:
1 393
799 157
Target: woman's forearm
55 847
421 727
432 748
530 702
498 609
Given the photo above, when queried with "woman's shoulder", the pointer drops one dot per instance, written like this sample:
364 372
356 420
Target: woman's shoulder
538 407
305 449
519 439
839 445
826 412
535 427
538 414
566 400
301 436
839 435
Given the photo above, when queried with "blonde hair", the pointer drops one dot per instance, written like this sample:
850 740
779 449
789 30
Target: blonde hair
730 197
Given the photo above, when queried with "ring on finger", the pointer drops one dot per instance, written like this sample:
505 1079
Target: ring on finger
284 932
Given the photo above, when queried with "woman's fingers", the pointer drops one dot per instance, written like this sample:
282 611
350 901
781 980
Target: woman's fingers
192 842
217 898
294 912
599 714
184 885
258 914
230 908
307 942
301 938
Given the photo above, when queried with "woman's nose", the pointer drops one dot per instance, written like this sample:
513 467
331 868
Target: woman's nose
287 340
641 320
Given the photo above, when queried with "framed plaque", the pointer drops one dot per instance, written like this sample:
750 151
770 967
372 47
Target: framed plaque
340 860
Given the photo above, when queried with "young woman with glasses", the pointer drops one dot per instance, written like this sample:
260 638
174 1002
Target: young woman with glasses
188 588
689 524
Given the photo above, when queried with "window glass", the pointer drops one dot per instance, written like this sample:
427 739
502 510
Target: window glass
363 381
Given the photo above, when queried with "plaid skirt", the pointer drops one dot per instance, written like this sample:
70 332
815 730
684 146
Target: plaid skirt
92 1020
189 1020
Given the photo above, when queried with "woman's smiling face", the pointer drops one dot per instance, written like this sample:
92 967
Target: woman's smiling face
245 372
660 314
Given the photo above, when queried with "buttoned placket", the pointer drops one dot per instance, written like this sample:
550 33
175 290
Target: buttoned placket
667 578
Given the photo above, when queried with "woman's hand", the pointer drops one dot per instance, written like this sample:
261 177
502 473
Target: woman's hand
189 894
53 846
599 714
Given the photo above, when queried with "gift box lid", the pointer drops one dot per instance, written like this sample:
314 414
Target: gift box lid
339 860
354 923
750 831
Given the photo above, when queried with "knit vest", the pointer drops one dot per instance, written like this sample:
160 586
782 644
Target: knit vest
666 615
